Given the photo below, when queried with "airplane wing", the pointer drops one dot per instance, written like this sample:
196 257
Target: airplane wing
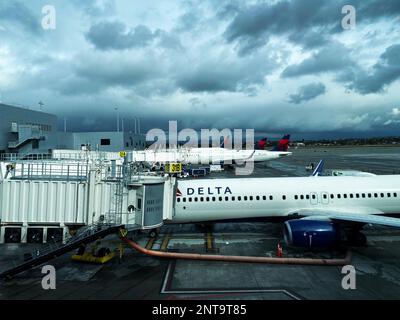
368 217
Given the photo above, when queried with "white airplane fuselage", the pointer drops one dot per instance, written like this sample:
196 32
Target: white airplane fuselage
241 198
205 155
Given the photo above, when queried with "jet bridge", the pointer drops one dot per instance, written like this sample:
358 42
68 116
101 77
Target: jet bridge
38 198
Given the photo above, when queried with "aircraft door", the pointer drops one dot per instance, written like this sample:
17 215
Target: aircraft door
313 198
324 197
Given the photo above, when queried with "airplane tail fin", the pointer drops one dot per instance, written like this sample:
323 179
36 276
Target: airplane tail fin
283 144
225 142
318 169
261 144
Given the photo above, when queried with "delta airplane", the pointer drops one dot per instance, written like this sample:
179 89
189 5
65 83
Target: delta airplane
212 155
318 211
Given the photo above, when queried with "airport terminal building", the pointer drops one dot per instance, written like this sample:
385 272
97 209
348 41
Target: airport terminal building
29 132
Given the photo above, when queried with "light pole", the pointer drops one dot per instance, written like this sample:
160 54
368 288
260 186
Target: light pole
116 109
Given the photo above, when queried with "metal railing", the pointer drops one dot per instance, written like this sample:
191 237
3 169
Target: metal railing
49 171
24 156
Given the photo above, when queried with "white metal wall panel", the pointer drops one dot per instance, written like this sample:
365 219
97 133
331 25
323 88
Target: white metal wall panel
43 202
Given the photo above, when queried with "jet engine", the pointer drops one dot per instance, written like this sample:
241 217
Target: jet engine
311 233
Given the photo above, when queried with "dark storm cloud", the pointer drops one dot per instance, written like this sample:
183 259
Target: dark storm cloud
331 58
307 92
383 73
115 35
17 12
219 75
253 25
94 75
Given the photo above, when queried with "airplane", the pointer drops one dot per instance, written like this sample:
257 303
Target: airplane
211 155
318 171
320 212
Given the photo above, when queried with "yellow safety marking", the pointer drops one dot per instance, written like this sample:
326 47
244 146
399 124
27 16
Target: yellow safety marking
165 242
150 243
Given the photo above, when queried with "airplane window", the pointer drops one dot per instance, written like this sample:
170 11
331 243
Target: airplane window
195 199
201 199
190 199
207 198
184 208
307 197
239 198
369 195
375 195
395 194
313 196
382 195
332 196
388 194
271 198
220 198
257 197
264 198
345 196
184 199
226 198
251 198
363 195
283 197
296 197
338 196
357 195
351 195
178 199
325 196
301 197
233 198
213 198
245 198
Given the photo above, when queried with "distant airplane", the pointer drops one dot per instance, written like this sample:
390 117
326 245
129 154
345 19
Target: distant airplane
320 212
211 155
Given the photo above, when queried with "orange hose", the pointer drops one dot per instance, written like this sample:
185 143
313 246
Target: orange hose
196 256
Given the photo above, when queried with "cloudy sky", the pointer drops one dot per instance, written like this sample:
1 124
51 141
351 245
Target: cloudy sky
275 66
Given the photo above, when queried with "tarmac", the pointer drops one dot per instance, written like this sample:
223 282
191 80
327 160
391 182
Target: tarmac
137 276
